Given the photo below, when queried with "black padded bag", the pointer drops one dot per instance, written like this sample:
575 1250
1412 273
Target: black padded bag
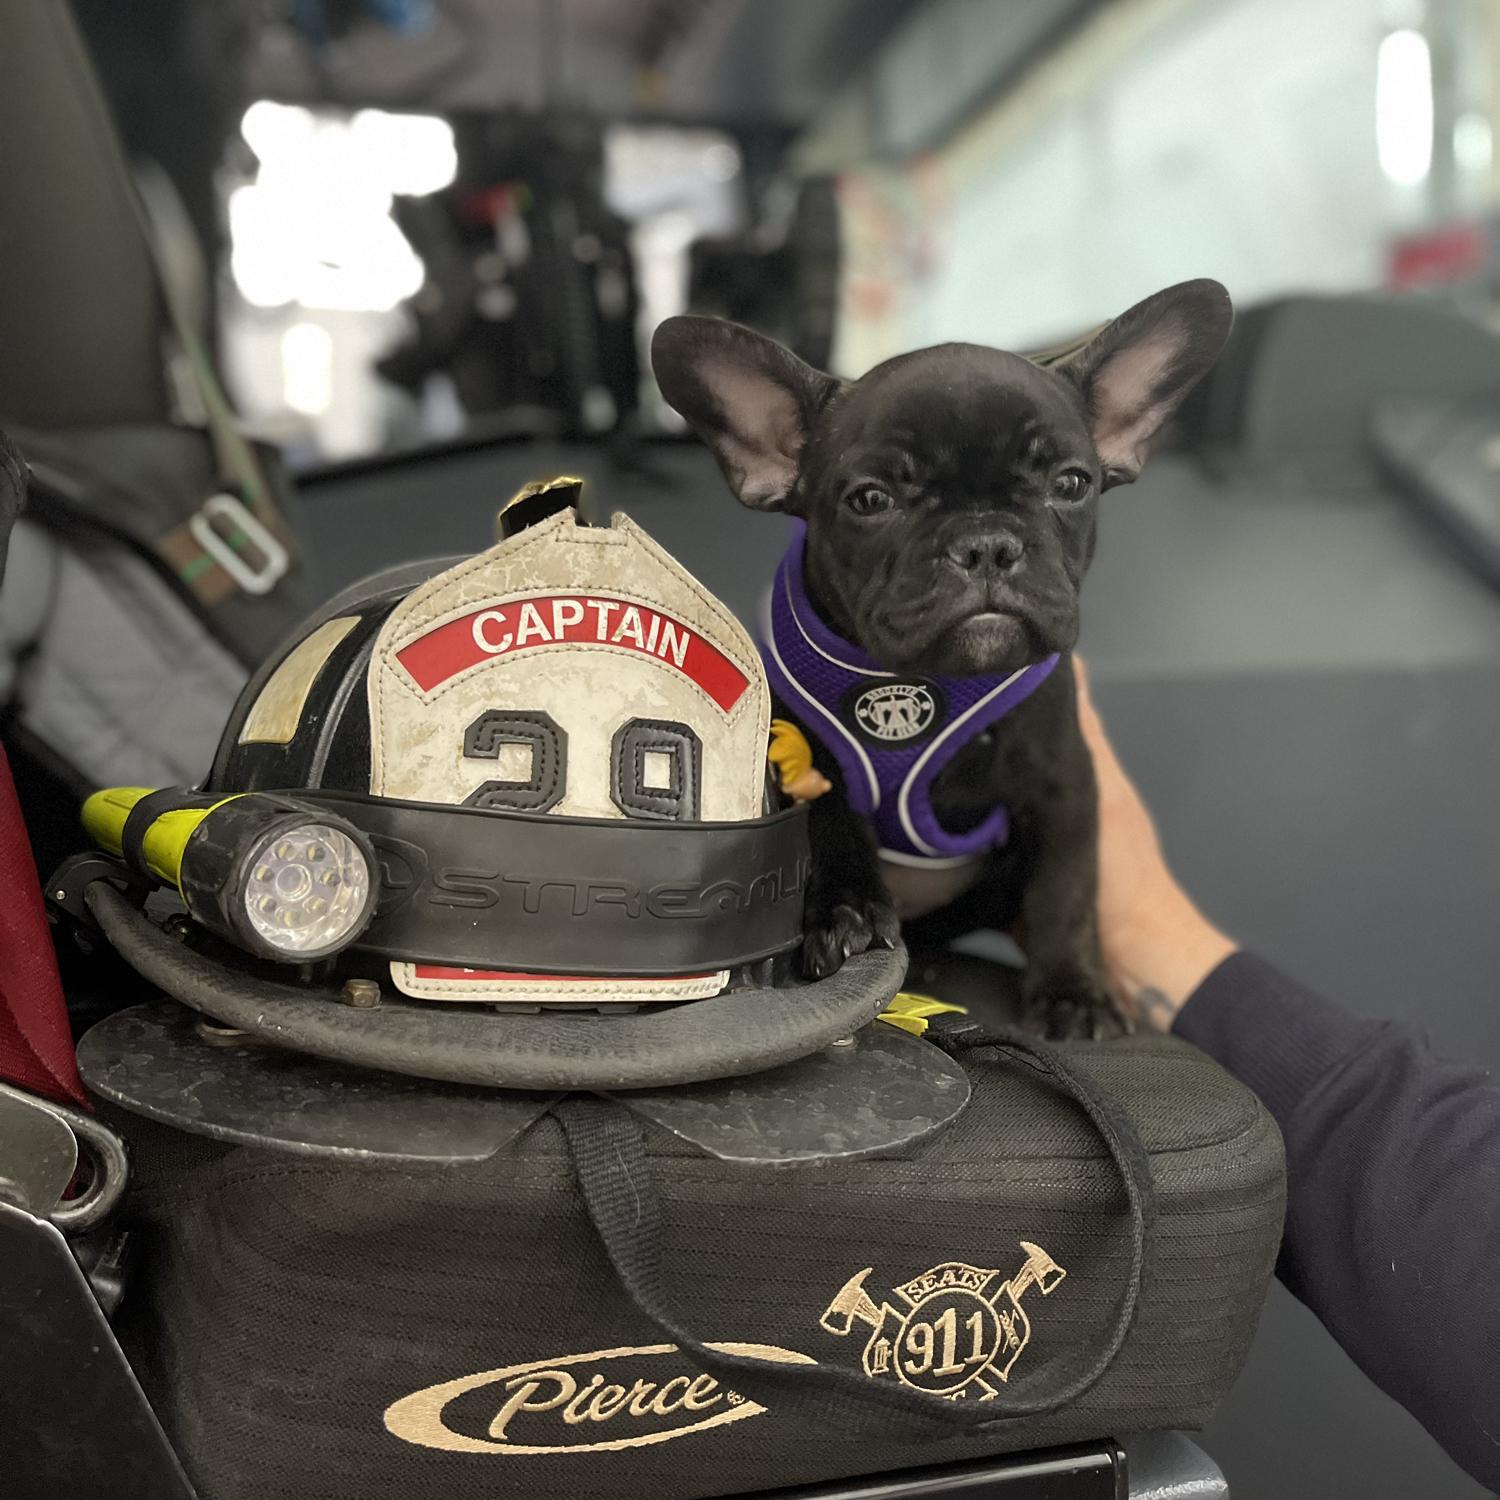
285 1306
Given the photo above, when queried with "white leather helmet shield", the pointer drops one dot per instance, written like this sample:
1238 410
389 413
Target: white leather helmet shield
575 670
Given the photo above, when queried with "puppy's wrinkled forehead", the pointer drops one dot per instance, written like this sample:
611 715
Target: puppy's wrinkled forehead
958 406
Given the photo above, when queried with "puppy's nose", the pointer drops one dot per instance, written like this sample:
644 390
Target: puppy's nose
993 552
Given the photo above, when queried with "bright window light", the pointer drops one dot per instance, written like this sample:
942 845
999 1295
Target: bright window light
315 227
1403 107
721 162
277 130
415 153
307 368
1473 143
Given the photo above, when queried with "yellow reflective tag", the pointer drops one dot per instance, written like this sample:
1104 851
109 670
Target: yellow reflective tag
790 753
910 1011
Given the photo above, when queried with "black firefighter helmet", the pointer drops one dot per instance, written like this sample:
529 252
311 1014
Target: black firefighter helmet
530 782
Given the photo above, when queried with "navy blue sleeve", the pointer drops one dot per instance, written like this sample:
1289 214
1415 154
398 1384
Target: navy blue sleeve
1393 1192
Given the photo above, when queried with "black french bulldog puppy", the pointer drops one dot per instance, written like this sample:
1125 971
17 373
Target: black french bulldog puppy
950 498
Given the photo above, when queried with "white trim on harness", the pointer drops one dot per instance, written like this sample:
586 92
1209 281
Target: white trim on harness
903 796
802 630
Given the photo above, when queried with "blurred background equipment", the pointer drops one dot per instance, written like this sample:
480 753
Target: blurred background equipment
493 204
781 276
159 556
533 307
447 220
425 240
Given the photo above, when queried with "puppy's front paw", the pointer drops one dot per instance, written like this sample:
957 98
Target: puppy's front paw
1072 1007
851 927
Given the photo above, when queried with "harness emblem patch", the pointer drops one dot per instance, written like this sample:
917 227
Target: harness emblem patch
961 1329
895 713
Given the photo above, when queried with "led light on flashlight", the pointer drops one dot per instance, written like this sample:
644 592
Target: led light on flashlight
308 890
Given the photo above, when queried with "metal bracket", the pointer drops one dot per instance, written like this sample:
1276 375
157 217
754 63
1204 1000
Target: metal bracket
104 1152
1092 1472
74 1420
38 1153
65 891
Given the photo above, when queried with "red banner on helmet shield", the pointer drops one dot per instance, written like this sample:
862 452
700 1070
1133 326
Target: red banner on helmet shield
445 971
571 619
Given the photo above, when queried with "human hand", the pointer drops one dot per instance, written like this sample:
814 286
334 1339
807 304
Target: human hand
1157 946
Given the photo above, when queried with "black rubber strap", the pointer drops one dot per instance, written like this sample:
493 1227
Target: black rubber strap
144 814
609 1156
491 888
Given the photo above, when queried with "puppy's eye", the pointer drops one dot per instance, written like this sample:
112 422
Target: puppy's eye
1071 486
868 500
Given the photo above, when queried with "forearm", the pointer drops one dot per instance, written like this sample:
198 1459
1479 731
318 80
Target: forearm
1168 953
1393 1210
1393 1155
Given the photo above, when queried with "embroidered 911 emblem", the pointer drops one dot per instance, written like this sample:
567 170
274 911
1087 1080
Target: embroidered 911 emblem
894 713
960 1332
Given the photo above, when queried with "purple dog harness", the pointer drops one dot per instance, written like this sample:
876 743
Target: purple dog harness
890 734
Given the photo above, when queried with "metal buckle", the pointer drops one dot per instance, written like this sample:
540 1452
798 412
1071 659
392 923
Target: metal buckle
109 1165
233 512
38 1154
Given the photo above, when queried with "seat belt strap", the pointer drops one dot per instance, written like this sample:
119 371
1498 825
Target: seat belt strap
36 1043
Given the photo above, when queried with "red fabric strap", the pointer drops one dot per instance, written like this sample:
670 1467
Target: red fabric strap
36 1044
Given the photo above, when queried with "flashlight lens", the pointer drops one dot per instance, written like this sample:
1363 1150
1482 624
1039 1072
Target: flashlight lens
308 890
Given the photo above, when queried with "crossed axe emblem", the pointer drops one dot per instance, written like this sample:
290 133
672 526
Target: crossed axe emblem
962 1327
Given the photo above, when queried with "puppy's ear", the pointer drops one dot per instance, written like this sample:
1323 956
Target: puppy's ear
1134 374
749 399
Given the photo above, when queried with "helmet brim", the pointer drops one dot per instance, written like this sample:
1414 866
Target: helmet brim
740 1032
